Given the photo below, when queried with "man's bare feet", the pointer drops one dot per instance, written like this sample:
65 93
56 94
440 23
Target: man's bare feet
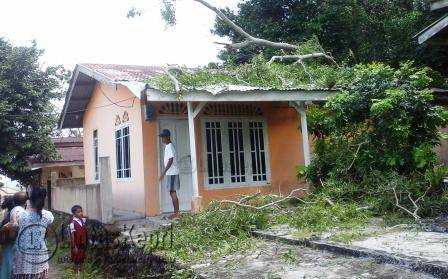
173 216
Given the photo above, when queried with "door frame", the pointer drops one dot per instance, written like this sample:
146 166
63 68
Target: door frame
159 156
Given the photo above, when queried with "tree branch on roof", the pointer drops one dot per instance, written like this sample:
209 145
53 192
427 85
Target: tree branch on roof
250 40
173 79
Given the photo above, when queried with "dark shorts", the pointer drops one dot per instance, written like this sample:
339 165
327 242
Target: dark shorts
172 183
80 256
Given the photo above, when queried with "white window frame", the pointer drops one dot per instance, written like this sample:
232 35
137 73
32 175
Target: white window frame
122 127
96 157
226 153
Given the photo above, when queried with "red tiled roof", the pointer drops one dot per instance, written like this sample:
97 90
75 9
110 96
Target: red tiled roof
70 154
125 72
70 150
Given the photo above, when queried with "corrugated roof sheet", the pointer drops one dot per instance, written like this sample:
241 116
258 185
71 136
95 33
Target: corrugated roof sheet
125 72
223 88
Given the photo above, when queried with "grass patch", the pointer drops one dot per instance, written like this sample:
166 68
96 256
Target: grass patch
226 229
214 233
347 236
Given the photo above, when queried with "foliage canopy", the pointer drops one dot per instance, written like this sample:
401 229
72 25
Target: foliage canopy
27 116
378 136
385 117
351 30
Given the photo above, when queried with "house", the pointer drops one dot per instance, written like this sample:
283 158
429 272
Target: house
8 187
230 141
437 32
69 165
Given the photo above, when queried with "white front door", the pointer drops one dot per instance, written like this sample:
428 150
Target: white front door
181 141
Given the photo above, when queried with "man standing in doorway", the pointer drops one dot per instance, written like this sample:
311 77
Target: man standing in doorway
171 172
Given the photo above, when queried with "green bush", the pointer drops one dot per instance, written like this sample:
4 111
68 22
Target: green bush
380 131
383 120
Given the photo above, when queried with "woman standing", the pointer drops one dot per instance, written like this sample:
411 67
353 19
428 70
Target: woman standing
31 257
7 253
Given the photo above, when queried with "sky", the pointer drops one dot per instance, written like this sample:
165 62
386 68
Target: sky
98 31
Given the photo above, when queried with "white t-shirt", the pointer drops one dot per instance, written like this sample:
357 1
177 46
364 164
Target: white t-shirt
79 221
169 153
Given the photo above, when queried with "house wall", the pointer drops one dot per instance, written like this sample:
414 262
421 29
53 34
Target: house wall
101 113
442 149
63 172
285 153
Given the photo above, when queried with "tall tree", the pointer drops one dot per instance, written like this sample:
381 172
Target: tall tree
351 30
27 115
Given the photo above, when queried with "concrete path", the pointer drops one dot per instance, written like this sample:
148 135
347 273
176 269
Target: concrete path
415 250
279 260
427 245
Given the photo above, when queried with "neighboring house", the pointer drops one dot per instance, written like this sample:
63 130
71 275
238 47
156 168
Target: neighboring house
7 187
437 34
230 141
69 165
441 98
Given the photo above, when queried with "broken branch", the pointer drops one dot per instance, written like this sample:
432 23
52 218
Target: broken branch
274 203
173 79
416 207
299 58
250 40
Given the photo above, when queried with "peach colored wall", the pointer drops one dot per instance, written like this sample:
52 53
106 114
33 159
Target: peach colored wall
285 153
151 163
128 194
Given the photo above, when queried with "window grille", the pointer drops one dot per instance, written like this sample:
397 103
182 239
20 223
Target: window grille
236 152
232 109
95 154
257 151
123 152
214 153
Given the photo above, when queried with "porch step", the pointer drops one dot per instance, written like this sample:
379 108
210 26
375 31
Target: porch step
123 215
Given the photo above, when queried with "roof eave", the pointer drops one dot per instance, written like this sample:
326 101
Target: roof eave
79 68
242 96
439 4
431 30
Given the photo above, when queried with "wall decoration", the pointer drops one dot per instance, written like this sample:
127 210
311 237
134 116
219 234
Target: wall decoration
125 117
117 120
232 109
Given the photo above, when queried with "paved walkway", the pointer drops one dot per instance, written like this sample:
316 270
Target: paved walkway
427 245
278 260
406 247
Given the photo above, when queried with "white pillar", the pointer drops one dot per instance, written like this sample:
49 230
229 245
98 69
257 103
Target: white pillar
304 126
106 196
196 202
192 134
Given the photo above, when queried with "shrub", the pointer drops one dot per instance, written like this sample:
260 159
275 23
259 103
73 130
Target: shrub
383 120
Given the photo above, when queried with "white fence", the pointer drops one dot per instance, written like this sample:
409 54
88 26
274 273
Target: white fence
87 196
95 199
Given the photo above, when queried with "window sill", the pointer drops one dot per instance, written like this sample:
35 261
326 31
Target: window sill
236 186
128 179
